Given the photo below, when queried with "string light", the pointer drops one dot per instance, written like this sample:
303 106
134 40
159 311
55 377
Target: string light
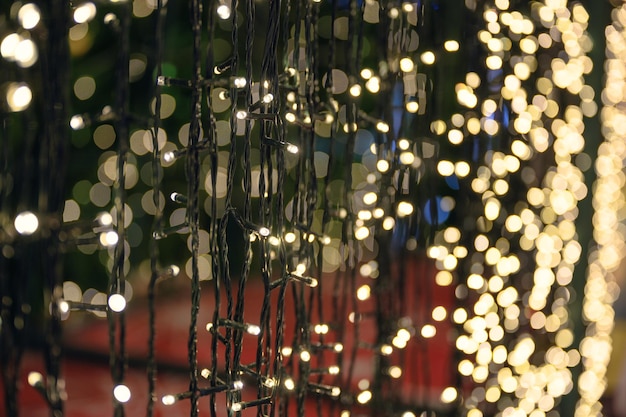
510 266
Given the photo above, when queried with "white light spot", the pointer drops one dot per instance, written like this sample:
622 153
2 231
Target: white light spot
117 303
28 16
19 96
109 238
223 11
26 223
121 393
168 399
85 12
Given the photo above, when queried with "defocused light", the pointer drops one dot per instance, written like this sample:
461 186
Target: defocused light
85 12
28 16
121 393
26 223
117 303
19 96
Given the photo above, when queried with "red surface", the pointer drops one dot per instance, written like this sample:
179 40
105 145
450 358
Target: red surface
426 364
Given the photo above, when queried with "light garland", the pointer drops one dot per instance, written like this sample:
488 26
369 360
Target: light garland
322 159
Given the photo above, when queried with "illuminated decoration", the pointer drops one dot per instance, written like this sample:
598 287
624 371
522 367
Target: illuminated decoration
380 212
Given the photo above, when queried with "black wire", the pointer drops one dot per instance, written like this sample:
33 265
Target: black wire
157 222
193 178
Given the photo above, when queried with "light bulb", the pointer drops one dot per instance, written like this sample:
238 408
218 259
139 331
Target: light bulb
168 399
117 303
26 223
253 329
121 393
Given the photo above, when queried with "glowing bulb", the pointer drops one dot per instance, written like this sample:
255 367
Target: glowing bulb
8 46
121 393
105 219
451 46
289 384
26 223
264 231
238 385
382 165
168 399
268 98
428 58
405 208
361 233
28 16
19 96
428 331
26 53
367 73
370 198
290 117
382 127
373 85
364 397
241 114
407 158
386 350
77 122
286 351
406 64
236 407
412 106
223 11
109 238
64 306
388 223
117 303
305 356
169 156
355 90
395 372
333 370
321 328
85 12
253 329
34 379
363 293
293 149
449 394
239 82
338 347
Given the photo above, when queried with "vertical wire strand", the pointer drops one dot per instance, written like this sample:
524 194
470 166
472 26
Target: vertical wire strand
117 321
157 221
193 178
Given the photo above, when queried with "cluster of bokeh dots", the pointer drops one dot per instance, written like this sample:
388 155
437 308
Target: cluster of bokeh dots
519 339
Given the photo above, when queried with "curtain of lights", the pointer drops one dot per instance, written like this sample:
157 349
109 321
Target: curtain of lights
384 208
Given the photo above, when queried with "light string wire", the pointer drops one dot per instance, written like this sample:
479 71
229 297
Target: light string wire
269 73
157 222
193 173
52 166
246 211
214 225
117 320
